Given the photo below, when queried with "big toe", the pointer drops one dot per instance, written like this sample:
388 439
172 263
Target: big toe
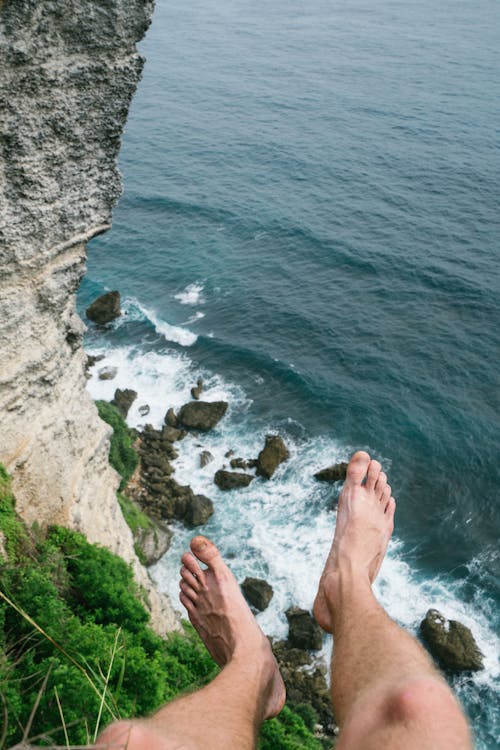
205 551
358 466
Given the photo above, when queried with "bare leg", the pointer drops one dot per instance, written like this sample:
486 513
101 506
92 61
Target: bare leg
227 713
386 693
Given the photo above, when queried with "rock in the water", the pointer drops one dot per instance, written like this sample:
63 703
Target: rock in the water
257 592
230 480
123 400
170 418
303 630
451 643
202 415
205 458
152 542
105 308
271 456
171 434
92 359
197 389
336 473
229 453
241 463
144 410
107 373
198 510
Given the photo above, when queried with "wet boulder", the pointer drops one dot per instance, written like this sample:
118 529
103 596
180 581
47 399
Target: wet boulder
257 592
231 480
451 643
271 456
205 459
336 473
123 400
144 410
105 308
197 389
170 418
303 630
107 373
202 415
198 510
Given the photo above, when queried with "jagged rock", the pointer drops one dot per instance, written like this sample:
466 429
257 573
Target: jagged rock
229 453
303 630
92 359
105 308
153 542
197 389
257 592
451 643
198 510
205 458
305 684
336 473
202 415
271 456
144 410
107 373
171 434
231 480
123 400
170 418
241 463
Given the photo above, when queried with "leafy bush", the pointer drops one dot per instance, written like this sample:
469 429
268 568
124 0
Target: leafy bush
122 455
74 634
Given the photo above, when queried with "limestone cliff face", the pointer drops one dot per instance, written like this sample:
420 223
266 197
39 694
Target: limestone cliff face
68 70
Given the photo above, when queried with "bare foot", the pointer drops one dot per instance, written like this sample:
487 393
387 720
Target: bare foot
223 619
365 521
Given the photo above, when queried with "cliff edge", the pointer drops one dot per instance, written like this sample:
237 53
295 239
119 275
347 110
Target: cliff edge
68 71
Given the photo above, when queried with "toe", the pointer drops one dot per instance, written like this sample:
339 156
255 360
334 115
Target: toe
190 579
372 474
381 484
206 551
187 602
358 466
190 562
188 590
390 508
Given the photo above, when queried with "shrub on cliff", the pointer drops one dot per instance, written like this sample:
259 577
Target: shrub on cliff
122 456
74 635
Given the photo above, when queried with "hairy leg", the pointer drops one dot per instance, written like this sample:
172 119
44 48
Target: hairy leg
229 711
386 693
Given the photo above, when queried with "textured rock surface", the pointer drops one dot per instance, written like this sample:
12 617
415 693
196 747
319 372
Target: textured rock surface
303 630
257 592
451 643
68 70
271 456
232 480
201 415
336 473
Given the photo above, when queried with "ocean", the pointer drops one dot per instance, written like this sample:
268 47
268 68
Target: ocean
310 222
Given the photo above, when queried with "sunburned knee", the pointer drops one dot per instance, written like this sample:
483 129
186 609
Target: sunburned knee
429 702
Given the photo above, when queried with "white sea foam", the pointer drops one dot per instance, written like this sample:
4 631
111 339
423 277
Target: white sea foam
281 529
194 318
171 333
191 295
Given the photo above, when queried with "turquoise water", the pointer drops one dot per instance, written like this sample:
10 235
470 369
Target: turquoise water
310 221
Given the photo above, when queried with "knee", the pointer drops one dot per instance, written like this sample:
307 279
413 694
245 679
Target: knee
427 701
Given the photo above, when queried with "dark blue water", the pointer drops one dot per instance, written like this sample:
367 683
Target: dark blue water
326 176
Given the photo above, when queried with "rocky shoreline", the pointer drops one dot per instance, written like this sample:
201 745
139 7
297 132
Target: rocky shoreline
155 490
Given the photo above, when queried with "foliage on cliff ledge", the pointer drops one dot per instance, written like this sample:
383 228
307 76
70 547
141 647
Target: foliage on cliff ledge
74 635
122 455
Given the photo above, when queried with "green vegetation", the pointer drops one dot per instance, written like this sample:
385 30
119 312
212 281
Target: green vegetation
74 636
122 455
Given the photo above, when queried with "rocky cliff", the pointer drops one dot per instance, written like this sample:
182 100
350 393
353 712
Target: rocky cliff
68 71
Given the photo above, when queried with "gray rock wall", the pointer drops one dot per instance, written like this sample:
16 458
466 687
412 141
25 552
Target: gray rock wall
68 71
